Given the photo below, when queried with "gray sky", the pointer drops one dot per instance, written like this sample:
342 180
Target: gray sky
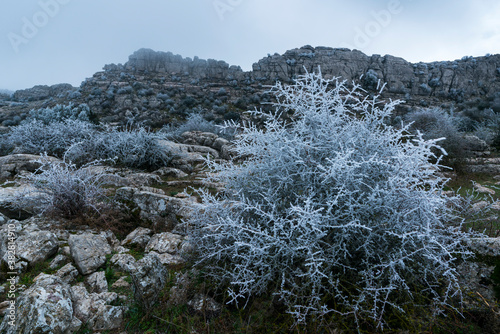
55 41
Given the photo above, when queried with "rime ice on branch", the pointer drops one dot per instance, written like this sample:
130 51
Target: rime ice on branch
335 205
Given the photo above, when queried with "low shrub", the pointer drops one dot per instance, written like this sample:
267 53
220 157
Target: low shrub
196 122
435 123
54 138
62 188
60 113
131 147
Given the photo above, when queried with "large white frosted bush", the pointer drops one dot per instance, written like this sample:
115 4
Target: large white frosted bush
332 210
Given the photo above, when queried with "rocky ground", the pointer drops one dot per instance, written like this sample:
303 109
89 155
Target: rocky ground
74 277
71 278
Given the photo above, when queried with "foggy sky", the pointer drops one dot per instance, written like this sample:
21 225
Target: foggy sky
56 41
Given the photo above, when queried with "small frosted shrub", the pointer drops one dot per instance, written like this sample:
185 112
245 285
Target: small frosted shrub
54 138
196 122
131 147
62 188
61 113
436 123
333 211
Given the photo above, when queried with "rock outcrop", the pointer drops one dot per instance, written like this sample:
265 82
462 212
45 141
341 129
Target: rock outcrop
44 92
158 87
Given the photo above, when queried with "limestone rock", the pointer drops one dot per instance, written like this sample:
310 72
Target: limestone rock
111 238
123 262
32 244
14 203
4 307
170 172
37 246
483 190
165 243
160 209
67 273
45 307
178 294
148 279
121 283
138 238
97 282
42 92
205 306
473 277
88 251
486 246
13 164
473 143
169 259
94 310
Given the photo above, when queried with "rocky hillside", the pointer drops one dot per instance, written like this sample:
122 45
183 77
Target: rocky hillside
159 87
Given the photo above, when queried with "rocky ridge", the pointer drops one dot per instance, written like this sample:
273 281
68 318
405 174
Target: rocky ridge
159 87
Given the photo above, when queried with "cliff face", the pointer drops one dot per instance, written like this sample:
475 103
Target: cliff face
447 80
457 80
158 87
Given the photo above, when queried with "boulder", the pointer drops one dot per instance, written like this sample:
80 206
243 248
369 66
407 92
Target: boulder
36 246
89 251
148 280
138 238
15 201
45 307
123 263
483 190
160 209
32 244
169 259
11 165
97 282
485 246
165 243
94 310
67 273
170 172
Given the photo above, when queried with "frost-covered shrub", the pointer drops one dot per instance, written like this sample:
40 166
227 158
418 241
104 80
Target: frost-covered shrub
196 122
60 187
60 113
332 212
131 147
55 138
436 123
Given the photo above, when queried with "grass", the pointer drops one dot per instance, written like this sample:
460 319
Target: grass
484 220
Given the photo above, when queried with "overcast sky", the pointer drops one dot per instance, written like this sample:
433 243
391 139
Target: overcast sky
55 41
